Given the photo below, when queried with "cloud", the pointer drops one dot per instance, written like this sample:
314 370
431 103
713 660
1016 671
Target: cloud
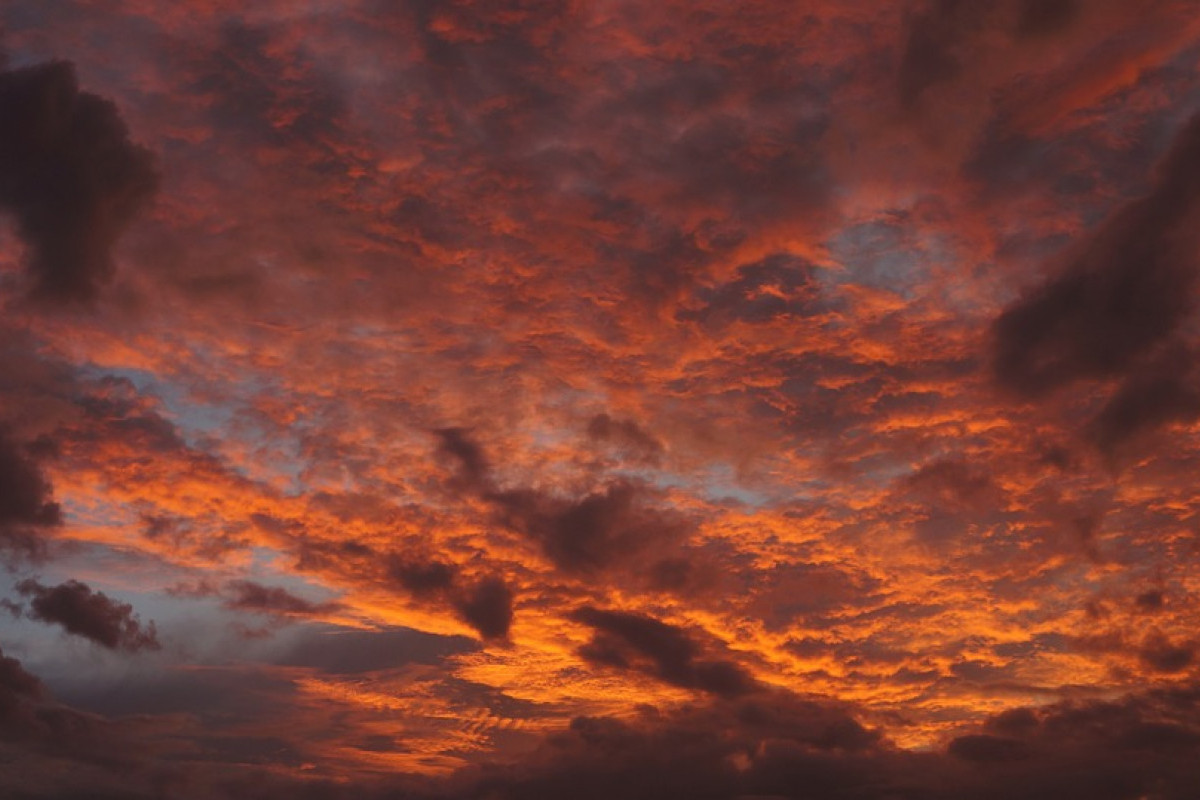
422 578
1119 300
1151 601
954 484
26 507
487 606
340 651
70 177
931 47
592 533
255 597
985 748
16 684
1138 746
1162 655
472 463
582 535
1163 390
635 641
701 287
92 615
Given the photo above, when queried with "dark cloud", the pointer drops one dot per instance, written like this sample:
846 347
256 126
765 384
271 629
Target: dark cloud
779 747
457 444
985 748
343 651
1162 655
1157 393
1118 302
92 615
633 641
16 684
1150 601
784 748
487 606
26 507
257 598
70 177
422 578
581 535
119 411
942 38
592 533
932 43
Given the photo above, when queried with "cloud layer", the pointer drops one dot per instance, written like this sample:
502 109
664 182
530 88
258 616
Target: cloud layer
524 399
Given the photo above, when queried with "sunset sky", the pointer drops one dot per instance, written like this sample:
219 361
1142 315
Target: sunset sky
517 399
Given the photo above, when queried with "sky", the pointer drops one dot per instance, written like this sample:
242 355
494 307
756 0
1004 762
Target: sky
514 399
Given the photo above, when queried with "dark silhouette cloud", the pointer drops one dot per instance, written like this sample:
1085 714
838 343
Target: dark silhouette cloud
422 578
92 615
341 651
473 465
70 177
1162 655
592 533
1157 393
16 683
255 597
487 606
985 748
26 507
931 54
784 748
634 641
1120 299
583 535
1150 601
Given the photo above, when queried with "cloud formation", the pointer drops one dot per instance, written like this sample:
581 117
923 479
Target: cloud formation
26 506
1115 309
525 399
72 179
623 640
90 614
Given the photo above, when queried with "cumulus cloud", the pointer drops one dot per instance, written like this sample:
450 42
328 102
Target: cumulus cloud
90 614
